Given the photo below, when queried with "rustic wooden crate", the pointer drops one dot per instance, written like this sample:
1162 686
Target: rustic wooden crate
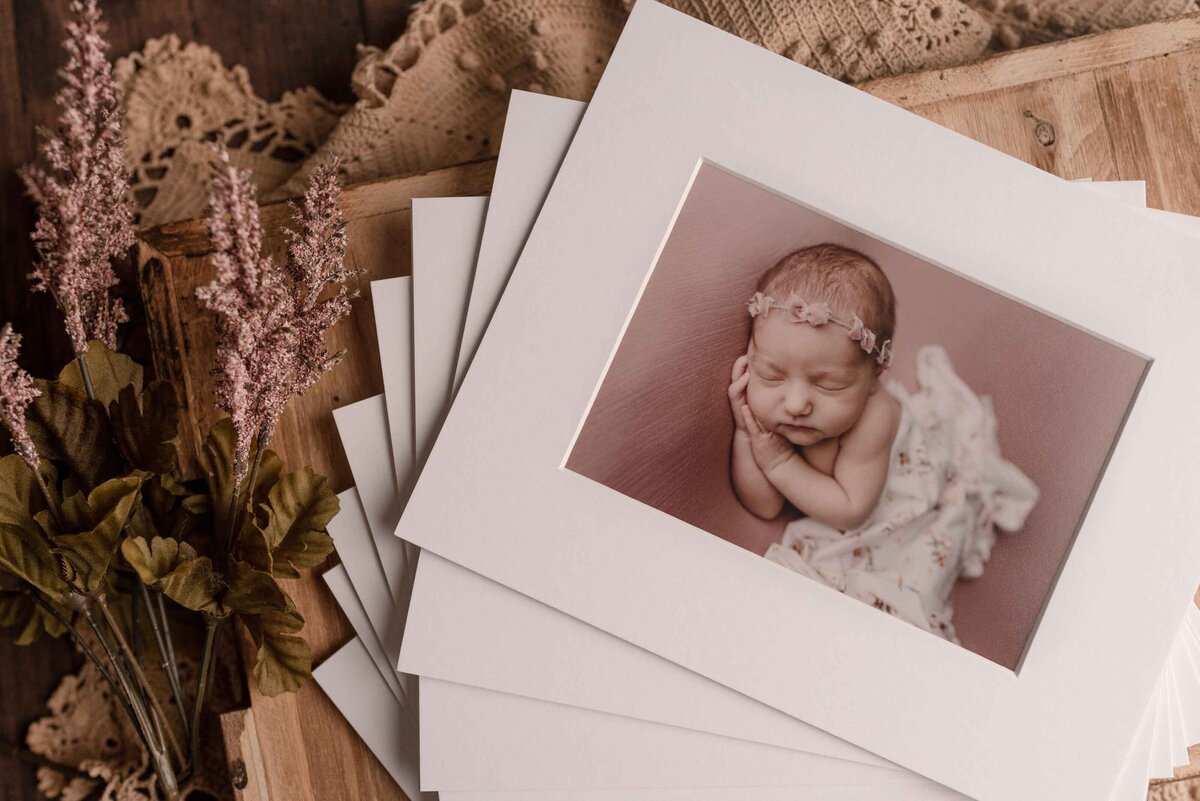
1121 105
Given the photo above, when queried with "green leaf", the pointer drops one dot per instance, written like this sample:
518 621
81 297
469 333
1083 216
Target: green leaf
167 508
27 555
24 547
195 585
19 499
67 427
218 468
74 513
218 471
253 592
252 548
298 510
145 427
283 661
187 579
110 373
19 609
154 559
86 555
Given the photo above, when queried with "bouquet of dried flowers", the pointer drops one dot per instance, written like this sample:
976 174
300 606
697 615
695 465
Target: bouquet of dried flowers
98 530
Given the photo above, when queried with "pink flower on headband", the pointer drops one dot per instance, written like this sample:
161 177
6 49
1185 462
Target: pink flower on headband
759 304
864 336
801 311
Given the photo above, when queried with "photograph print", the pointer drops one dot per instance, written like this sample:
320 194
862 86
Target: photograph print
858 416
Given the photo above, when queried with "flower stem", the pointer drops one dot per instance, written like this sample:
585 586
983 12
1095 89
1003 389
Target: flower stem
141 678
210 633
87 650
87 376
41 482
264 437
162 637
156 750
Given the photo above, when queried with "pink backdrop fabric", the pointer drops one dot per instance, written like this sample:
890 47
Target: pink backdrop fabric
660 428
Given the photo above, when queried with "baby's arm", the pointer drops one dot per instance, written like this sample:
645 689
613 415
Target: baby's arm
750 485
847 498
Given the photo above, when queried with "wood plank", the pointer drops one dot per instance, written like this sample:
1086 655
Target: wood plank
1056 125
383 21
284 46
1041 63
1153 103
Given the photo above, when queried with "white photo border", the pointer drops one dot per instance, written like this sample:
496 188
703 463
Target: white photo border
493 496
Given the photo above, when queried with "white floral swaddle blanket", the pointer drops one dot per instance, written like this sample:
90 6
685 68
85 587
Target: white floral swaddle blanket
948 490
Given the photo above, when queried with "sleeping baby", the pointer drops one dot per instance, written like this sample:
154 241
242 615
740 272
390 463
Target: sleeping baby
899 493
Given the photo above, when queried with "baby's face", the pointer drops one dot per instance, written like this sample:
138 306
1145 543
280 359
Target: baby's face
807 383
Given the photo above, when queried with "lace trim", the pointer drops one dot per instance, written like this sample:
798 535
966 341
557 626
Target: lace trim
179 96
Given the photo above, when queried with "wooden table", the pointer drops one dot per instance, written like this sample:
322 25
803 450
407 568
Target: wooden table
1121 105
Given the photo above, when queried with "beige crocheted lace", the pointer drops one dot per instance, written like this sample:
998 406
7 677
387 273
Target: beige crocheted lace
1021 23
179 96
853 41
437 96
88 730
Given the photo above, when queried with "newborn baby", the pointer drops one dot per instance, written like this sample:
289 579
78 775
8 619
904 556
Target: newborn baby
899 494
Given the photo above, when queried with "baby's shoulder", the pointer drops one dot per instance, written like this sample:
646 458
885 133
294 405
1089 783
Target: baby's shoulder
877 426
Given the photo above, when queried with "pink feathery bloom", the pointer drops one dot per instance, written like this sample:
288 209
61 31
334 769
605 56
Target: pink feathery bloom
315 260
16 393
271 320
253 305
85 214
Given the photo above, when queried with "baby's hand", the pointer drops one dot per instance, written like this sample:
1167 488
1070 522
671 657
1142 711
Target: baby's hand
770 449
737 389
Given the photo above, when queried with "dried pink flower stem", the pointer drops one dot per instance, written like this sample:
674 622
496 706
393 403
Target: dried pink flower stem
272 321
85 214
16 393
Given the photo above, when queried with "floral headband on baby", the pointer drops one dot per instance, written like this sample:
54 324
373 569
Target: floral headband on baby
801 311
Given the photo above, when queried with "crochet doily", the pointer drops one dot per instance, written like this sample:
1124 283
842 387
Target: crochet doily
437 96
87 729
179 96
1021 23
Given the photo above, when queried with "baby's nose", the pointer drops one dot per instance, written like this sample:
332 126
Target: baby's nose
797 401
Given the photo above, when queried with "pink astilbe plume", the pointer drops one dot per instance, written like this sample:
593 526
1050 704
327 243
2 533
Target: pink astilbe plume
271 321
85 214
316 251
16 393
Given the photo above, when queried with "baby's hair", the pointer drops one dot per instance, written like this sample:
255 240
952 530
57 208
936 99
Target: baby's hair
849 281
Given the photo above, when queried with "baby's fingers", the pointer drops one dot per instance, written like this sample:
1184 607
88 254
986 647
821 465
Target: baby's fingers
751 423
739 367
